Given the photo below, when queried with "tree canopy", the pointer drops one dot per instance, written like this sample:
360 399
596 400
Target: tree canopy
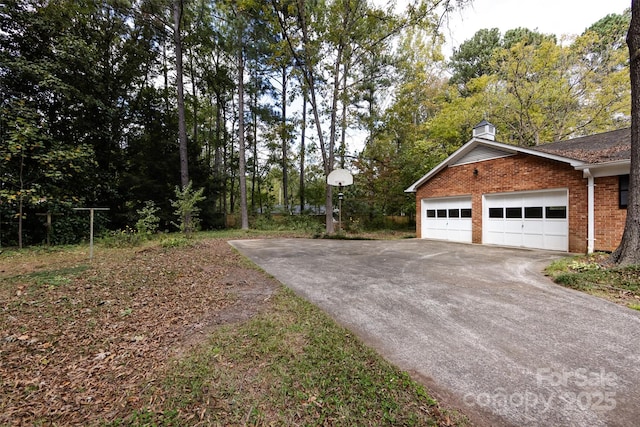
274 96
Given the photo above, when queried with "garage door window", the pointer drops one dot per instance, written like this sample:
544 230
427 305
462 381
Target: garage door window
496 213
533 212
556 212
514 212
452 213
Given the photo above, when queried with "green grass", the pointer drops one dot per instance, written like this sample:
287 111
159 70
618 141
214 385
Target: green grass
593 275
50 278
291 366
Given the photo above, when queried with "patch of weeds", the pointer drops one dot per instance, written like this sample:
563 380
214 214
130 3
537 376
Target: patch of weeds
56 278
295 223
582 265
128 237
341 236
634 306
592 274
169 242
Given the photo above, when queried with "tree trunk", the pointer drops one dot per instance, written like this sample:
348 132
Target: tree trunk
242 161
629 250
308 73
182 124
21 198
254 146
302 146
343 119
285 141
329 164
165 74
194 95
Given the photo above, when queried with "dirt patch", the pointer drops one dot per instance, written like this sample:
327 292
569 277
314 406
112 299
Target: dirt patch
80 344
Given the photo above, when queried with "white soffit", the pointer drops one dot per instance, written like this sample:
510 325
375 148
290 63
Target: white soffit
597 170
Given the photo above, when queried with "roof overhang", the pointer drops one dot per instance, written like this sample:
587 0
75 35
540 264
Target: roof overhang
506 148
597 170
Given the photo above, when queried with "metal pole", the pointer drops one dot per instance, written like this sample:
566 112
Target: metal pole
340 196
91 234
91 210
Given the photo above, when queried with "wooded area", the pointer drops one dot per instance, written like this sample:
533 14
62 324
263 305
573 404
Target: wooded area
115 103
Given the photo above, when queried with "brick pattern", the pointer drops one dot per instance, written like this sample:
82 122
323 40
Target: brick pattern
523 172
609 217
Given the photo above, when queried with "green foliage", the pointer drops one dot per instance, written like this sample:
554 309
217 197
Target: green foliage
303 223
526 37
187 210
473 57
72 227
148 220
124 238
88 116
171 241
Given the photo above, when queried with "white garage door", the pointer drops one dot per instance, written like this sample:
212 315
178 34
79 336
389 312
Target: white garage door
447 219
532 220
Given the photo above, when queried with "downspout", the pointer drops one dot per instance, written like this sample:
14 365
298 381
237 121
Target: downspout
591 237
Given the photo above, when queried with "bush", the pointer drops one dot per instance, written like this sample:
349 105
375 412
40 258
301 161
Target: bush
187 210
121 238
148 221
174 242
304 223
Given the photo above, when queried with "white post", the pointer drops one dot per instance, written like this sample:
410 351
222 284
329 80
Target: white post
91 234
91 226
340 196
591 221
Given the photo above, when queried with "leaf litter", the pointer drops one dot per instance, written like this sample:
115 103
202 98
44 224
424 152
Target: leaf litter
83 347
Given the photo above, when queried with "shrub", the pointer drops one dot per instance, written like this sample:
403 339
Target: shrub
187 209
121 238
148 220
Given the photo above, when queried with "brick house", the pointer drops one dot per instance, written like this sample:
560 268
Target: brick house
568 196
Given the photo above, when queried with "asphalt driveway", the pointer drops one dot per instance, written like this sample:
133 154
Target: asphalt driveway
481 326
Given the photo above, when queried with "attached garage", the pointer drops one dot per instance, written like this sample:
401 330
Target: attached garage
527 219
447 219
566 196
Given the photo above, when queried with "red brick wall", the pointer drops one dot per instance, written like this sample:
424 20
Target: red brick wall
520 172
609 218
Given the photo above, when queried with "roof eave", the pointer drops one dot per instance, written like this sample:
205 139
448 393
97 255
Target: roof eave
611 168
499 145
